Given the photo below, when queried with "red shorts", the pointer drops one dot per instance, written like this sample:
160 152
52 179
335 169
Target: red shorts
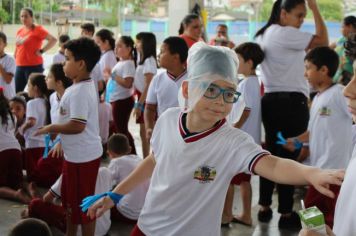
47 171
11 169
78 182
117 216
140 120
324 203
137 232
239 178
32 157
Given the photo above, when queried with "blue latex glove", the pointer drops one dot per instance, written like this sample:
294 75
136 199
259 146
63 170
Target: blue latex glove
49 144
90 200
282 141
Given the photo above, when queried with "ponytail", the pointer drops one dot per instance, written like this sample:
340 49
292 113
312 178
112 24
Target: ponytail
273 19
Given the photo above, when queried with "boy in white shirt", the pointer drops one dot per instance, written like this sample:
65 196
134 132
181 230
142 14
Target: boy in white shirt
196 154
7 69
163 90
250 56
330 126
121 166
79 130
59 56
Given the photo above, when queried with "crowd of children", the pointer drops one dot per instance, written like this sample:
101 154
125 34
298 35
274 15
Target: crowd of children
68 120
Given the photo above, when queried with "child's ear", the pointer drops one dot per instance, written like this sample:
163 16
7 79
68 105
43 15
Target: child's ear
82 65
324 69
250 63
185 89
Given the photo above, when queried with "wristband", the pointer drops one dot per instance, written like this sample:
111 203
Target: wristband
282 141
90 200
140 106
49 144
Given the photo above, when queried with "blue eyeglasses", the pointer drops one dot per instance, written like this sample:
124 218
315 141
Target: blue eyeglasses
229 95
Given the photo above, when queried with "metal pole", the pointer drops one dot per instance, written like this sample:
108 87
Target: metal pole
13 11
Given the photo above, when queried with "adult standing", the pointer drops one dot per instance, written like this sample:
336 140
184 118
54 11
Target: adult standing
191 29
222 37
285 102
29 50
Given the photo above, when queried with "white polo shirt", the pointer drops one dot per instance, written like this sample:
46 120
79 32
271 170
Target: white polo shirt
7 134
54 102
123 69
35 108
149 66
103 184
251 92
9 65
191 177
163 90
131 204
79 104
58 58
330 127
282 70
105 116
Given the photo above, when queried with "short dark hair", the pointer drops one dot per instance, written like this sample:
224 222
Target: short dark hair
177 45
3 37
63 38
119 144
88 27
84 49
251 51
350 20
30 227
350 46
324 56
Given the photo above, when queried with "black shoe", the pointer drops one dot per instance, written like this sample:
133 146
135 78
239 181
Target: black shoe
290 222
265 216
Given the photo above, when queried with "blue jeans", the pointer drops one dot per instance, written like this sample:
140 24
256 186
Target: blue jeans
22 73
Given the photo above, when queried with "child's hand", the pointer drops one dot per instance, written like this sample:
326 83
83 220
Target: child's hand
107 73
42 130
100 207
309 232
56 151
322 179
48 197
290 146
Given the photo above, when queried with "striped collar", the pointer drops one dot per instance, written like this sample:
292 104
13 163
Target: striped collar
192 137
171 76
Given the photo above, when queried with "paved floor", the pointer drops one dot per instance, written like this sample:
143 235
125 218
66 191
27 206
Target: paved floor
10 213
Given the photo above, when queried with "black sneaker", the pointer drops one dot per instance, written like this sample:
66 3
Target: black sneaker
290 222
265 216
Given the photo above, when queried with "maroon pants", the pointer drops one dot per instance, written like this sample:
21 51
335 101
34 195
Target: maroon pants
121 111
11 168
32 157
117 216
137 232
324 203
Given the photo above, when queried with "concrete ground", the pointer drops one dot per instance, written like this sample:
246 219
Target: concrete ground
10 212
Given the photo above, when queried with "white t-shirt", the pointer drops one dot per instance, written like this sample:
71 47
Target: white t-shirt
251 92
105 116
191 177
97 76
7 134
330 127
9 65
58 58
131 204
35 108
54 102
344 218
282 70
163 91
78 104
103 184
124 69
149 66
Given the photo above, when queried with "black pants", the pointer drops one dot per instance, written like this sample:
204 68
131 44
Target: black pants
22 73
286 112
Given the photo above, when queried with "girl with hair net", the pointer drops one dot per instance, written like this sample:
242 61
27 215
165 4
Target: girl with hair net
196 153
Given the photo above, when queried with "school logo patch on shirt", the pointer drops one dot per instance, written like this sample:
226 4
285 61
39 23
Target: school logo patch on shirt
205 174
62 111
325 111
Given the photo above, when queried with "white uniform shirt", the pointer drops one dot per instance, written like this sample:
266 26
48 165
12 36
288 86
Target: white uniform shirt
131 204
330 127
282 70
58 58
251 92
77 104
163 91
124 69
97 76
7 134
191 177
103 184
149 66
35 108
54 102
105 116
344 218
9 65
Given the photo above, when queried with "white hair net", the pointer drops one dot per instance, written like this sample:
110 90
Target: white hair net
207 64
